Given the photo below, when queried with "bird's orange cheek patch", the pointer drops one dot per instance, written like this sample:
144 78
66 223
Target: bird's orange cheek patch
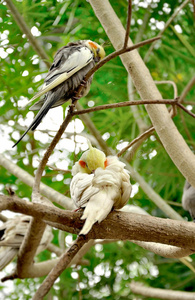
82 163
93 45
105 163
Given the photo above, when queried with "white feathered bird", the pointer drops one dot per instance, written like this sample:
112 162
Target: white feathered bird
71 63
99 184
12 233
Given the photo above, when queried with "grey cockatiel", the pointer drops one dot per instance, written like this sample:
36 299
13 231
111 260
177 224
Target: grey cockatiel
99 184
12 233
188 199
71 64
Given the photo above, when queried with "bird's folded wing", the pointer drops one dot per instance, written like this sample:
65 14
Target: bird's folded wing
65 69
106 177
13 231
81 188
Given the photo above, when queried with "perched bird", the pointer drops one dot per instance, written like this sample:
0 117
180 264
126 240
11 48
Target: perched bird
71 64
188 199
12 233
99 184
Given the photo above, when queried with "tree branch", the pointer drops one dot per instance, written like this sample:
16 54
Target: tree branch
126 103
136 102
127 226
187 88
137 139
128 24
164 250
59 268
29 247
138 288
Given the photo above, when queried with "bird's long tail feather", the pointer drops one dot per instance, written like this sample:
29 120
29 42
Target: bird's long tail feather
96 210
37 120
7 254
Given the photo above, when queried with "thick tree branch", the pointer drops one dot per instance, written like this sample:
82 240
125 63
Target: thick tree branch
140 289
164 250
127 226
29 247
35 270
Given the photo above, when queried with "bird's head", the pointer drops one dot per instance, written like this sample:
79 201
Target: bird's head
98 50
92 159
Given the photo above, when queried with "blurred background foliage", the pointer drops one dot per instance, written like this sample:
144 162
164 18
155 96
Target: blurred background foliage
54 24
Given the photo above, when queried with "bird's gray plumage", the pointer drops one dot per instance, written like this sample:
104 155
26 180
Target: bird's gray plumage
12 233
71 64
188 199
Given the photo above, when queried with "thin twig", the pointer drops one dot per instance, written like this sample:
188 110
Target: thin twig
128 24
141 136
189 103
117 53
185 109
124 104
130 103
165 27
59 268
174 108
175 93
54 249
187 89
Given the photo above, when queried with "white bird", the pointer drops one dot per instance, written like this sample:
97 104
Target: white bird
99 184
71 63
188 199
12 233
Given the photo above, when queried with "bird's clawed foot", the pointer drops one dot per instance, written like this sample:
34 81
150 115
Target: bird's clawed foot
83 83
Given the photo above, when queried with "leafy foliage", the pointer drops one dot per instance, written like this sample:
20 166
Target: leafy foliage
55 23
